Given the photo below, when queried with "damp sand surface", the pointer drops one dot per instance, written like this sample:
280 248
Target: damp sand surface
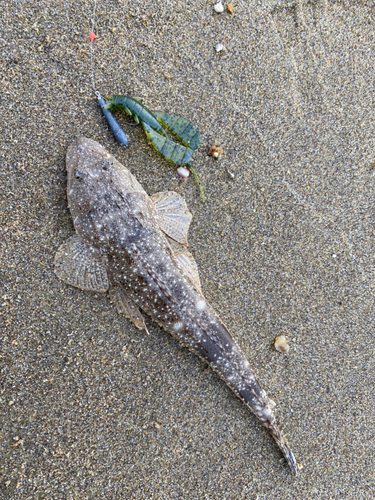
90 406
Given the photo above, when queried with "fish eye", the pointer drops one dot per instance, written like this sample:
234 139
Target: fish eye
106 164
78 175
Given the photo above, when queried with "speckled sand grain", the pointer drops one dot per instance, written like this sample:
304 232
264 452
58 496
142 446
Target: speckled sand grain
90 407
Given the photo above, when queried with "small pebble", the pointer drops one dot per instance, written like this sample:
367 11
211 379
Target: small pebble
230 8
219 47
219 8
92 35
183 172
281 344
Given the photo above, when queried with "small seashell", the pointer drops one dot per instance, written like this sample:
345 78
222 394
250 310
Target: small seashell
183 172
230 8
281 344
215 151
219 8
219 47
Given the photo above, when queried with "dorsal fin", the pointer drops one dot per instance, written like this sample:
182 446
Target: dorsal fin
187 263
173 216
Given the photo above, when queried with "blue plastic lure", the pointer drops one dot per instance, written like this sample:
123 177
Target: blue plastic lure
113 124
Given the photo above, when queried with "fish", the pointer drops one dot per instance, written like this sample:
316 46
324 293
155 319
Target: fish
135 248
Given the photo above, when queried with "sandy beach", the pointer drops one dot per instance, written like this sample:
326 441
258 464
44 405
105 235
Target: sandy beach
92 408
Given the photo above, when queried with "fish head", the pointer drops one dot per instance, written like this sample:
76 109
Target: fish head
99 187
92 169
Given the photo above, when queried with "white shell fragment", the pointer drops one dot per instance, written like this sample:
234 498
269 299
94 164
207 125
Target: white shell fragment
281 344
219 8
219 47
183 172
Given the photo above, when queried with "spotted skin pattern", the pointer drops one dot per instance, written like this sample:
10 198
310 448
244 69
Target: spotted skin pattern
117 223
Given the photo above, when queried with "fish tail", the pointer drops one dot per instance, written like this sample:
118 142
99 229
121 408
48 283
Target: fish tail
284 447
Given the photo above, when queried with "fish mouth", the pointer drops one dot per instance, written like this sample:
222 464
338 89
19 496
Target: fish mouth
75 147
77 168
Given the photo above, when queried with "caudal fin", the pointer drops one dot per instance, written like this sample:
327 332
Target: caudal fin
284 447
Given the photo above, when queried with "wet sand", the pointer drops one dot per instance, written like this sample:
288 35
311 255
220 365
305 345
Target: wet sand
92 408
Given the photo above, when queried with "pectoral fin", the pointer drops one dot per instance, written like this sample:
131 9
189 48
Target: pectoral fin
127 307
81 266
173 215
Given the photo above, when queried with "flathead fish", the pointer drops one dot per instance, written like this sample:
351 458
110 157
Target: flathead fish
135 247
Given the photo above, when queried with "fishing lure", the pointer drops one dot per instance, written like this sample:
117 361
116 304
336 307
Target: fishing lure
113 124
152 122
181 128
169 150
136 109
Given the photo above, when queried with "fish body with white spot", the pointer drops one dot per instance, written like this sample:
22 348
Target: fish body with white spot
134 247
